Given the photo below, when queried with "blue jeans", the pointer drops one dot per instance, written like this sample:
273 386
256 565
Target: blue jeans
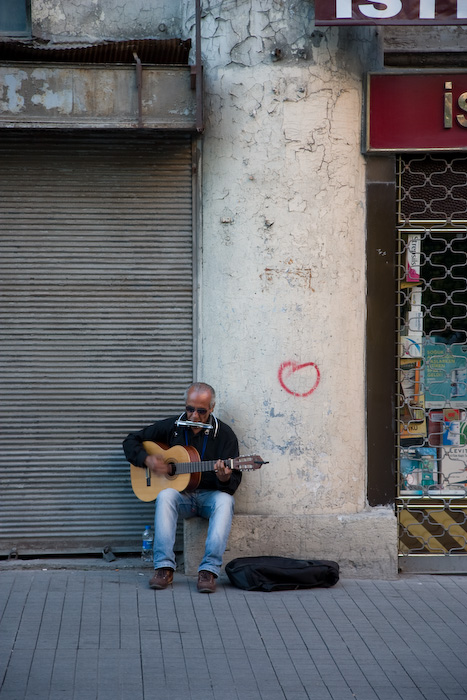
215 506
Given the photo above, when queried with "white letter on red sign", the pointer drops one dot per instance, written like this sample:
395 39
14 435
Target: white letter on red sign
461 9
427 9
393 7
462 102
343 9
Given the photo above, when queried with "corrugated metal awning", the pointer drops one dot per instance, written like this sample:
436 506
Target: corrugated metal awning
152 51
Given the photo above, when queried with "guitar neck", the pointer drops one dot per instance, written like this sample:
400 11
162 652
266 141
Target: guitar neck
192 467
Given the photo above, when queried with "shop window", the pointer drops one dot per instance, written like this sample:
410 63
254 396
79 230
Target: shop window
432 354
15 18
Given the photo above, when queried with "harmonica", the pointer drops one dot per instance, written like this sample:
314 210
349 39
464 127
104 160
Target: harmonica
194 424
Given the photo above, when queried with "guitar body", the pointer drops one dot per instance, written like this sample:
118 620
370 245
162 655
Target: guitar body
172 455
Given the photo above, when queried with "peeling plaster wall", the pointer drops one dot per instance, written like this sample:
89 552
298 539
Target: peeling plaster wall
283 266
283 281
95 20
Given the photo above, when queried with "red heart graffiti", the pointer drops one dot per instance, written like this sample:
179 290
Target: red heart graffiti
288 368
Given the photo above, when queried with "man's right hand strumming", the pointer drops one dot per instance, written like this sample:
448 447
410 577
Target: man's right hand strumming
156 464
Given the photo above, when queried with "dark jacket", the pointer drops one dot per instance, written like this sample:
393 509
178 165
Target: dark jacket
219 443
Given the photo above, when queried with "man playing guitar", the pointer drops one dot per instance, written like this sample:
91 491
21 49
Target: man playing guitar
211 499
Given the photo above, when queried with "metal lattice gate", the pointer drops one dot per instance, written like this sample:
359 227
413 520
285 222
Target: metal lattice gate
432 354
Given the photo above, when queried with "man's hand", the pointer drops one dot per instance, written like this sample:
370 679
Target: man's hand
156 464
222 472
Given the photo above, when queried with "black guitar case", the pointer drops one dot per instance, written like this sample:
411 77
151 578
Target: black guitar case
281 573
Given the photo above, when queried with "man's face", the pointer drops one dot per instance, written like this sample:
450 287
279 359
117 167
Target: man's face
200 402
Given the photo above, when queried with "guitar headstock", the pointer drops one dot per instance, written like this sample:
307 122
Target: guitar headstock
246 463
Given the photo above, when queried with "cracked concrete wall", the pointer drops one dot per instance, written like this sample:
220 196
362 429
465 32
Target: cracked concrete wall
95 20
283 264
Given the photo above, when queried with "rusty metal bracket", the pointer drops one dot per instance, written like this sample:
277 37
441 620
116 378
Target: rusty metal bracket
139 85
197 74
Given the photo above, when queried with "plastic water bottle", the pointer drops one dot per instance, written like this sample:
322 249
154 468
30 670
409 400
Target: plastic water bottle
148 539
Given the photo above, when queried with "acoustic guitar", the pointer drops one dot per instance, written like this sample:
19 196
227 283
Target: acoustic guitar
188 469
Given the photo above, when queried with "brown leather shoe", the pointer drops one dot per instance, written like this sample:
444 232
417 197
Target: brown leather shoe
206 582
161 579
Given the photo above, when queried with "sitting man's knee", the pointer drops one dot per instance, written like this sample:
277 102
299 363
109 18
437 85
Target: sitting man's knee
224 500
167 496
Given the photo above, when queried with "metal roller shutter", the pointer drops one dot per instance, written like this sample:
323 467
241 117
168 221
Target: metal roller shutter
96 326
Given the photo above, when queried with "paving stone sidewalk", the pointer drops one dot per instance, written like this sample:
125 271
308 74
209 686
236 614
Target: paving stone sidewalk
104 635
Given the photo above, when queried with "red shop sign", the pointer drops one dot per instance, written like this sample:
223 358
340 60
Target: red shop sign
329 12
416 111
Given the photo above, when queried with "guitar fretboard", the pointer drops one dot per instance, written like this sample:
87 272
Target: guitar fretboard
192 467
